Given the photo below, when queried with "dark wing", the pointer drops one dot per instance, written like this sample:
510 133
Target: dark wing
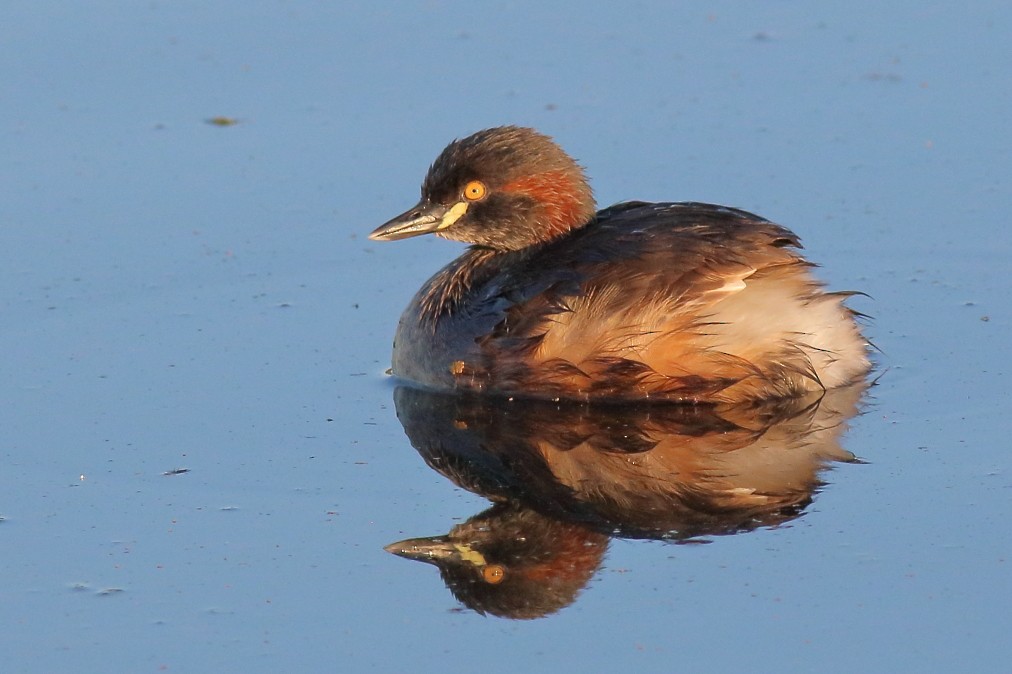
628 307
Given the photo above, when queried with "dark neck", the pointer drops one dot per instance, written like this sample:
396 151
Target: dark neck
453 282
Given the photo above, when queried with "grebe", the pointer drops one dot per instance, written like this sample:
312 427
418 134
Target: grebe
685 302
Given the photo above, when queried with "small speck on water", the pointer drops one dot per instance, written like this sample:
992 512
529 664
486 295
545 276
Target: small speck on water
222 121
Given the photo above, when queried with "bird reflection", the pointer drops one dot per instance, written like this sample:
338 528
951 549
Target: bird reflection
566 477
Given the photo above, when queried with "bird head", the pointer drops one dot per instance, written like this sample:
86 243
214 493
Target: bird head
504 188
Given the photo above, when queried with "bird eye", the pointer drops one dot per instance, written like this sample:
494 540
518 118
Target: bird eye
493 574
474 190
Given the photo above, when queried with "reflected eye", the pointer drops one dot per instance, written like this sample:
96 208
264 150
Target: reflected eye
493 574
475 190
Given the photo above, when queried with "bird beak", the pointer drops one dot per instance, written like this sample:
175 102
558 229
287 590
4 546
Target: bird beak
434 550
424 218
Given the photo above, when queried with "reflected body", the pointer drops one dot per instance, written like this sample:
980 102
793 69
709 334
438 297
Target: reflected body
567 477
684 302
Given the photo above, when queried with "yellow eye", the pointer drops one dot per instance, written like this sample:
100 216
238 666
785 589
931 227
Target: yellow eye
493 574
474 190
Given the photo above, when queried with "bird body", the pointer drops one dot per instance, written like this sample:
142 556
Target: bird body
683 302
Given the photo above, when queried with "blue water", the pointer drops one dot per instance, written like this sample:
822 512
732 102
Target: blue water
183 296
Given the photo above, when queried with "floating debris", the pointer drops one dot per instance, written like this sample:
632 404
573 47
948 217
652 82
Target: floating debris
222 121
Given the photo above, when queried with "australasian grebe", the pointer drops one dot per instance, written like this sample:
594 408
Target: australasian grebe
662 301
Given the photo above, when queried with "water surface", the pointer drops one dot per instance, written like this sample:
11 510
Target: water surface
203 460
